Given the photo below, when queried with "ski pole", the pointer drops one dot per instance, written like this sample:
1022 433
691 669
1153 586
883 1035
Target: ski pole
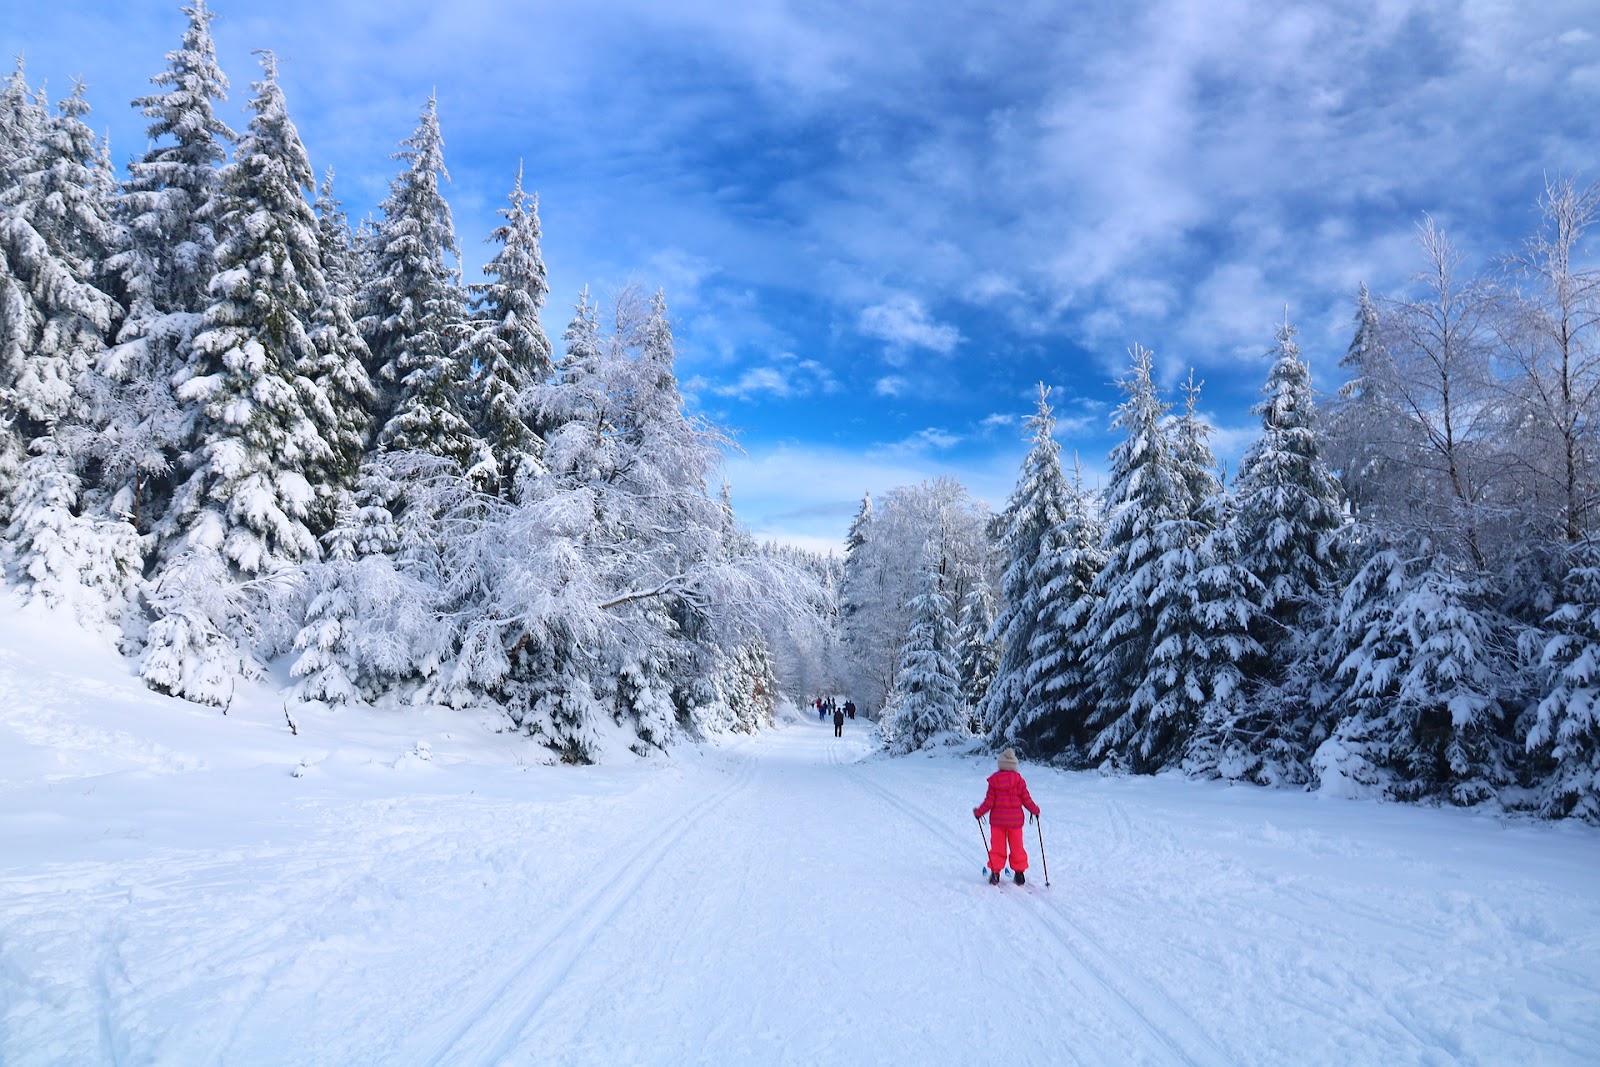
1038 824
983 835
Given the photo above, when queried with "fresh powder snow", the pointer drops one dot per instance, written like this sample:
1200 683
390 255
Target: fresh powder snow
417 886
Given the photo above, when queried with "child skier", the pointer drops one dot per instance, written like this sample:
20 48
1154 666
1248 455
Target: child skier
1007 796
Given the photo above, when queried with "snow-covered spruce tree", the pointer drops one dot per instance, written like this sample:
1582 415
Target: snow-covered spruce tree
746 687
1419 710
1037 508
1290 507
1060 684
55 319
1145 496
338 366
64 555
21 118
373 624
977 649
1204 607
1288 523
248 497
1369 437
323 664
507 346
259 437
55 232
860 641
415 310
1566 724
926 701
164 261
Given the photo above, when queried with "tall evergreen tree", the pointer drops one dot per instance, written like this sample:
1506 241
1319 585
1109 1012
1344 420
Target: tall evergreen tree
339 364
259 438
55 321
977 652
926 701
21 118
1202 603
165 264
1036 510
1060 686
1146 495
1288 524
243 510
416 307
55 316
508 347
1290 506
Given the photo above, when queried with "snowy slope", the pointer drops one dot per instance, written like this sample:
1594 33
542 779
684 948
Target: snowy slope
427 891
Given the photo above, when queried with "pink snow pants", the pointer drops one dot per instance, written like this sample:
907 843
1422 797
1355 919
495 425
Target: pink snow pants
999 838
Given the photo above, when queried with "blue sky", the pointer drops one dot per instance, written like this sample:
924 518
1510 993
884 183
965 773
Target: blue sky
880 224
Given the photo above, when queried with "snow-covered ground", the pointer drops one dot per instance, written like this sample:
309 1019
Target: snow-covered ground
177 887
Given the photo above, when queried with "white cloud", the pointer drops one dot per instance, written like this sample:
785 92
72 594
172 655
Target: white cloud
893 385
786 377
903 321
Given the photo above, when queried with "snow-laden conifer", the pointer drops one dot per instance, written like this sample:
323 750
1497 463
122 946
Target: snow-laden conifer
1060 683
1420 702
1036 509
259 438
338 365
1203 607
21 118
164 261
415 309
1145 496
55 320
64 554
1290 507
926 700
507 346
977 651
1566 724
1288 517
55 317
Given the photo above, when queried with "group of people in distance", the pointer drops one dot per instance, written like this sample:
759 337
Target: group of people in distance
828 706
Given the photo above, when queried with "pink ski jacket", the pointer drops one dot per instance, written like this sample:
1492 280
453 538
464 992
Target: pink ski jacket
1007 796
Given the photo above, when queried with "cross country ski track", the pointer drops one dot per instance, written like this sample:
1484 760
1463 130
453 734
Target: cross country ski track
487 1031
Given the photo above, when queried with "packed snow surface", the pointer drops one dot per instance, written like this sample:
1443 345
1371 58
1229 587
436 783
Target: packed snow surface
412 887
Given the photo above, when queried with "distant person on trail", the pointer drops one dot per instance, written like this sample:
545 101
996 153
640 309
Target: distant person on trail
838 722
1003 803
850 709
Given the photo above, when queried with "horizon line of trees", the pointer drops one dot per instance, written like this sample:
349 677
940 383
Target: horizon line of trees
1399 597
233 428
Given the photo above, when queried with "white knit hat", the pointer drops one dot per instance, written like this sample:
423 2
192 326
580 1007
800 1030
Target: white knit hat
1008 760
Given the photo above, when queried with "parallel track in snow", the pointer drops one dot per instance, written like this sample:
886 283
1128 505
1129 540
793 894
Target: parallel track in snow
488 1030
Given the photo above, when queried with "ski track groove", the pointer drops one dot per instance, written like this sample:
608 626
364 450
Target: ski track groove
543 969
1197 1047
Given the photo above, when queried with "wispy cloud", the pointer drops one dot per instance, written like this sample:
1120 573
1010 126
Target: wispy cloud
904 323
786 377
